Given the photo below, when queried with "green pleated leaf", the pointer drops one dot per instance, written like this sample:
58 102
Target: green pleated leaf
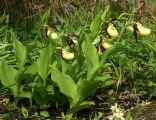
20 51
24 94
66 85
44 19
108 82
104 13
95 25
2 18
2 29
32 69
25 112
44 114
80 106
103 77
9 78
43 63
86 88
92 58
109 52
42 94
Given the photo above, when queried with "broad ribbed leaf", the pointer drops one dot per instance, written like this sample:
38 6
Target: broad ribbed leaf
91 56
45 17
41 95
108 83
2 18
9 78
20 51
2 29
64 66
24 94
32 69
95 25
86 88
107 53
104 13
66 85
103 77
43 63
80 106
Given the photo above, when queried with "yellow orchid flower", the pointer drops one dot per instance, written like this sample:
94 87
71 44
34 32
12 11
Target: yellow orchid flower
130 29
50 33
67 55
105 44
140 29
53 35
111 30
75 41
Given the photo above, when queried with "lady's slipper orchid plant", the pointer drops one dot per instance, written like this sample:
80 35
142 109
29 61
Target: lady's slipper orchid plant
141 30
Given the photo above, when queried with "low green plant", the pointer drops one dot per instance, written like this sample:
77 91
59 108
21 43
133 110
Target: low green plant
42 75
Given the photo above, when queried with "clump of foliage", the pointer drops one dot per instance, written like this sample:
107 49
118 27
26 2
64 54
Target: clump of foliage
64 69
